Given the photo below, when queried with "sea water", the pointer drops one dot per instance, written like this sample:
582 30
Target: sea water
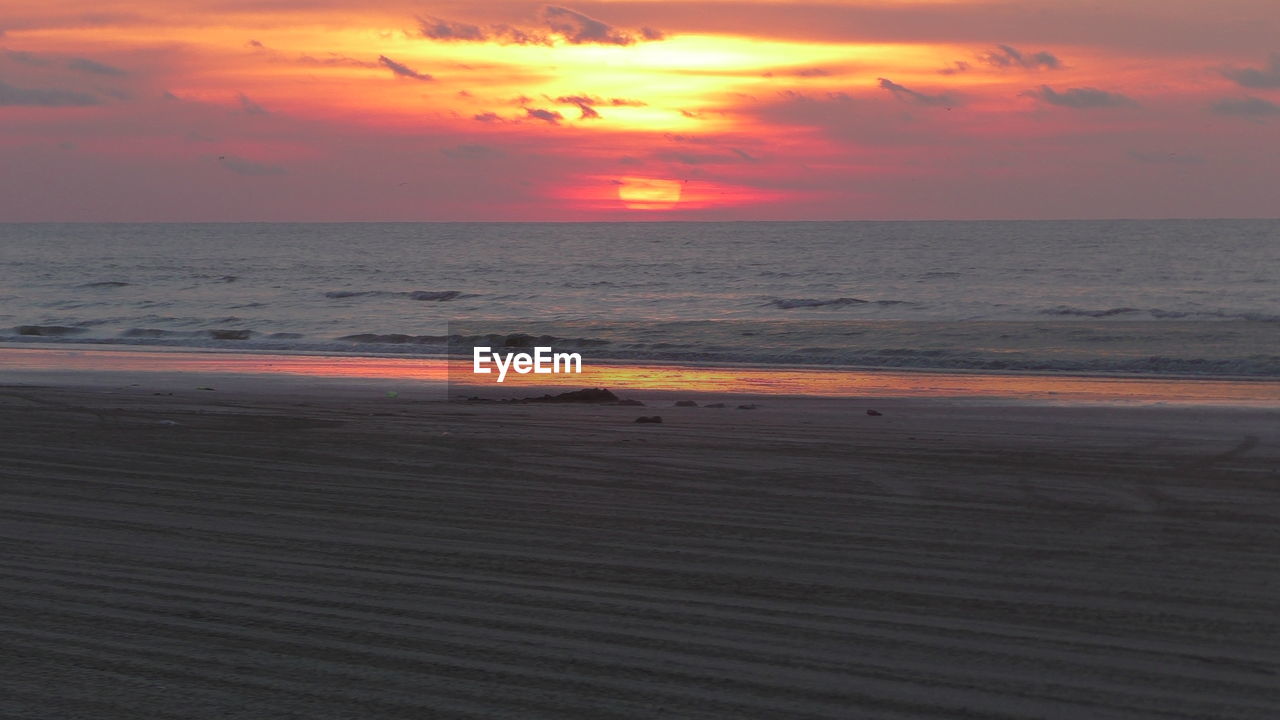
1199 297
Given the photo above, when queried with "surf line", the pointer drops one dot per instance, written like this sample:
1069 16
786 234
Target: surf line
543 361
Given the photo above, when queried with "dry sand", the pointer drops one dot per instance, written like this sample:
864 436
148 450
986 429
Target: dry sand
269 554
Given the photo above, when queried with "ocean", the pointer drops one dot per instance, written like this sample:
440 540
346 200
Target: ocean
1170 297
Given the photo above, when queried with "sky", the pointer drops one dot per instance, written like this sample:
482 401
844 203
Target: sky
638 110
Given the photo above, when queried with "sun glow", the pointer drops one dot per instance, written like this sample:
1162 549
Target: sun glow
649 193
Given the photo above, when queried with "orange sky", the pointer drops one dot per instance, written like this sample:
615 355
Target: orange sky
638 109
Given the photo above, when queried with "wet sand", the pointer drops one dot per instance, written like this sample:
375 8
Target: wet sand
263 550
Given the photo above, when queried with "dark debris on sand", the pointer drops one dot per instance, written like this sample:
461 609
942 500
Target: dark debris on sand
586 395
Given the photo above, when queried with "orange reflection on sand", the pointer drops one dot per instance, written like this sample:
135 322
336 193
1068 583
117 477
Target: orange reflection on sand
234 363
824 382
848 382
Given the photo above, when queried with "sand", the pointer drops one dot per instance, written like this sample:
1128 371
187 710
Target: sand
265 551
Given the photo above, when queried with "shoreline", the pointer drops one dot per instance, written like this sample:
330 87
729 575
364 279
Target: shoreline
98 365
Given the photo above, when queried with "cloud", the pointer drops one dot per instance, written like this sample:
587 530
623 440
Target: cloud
1268 77
584 104
77 64
470 152
26 58
550 116
250 107
688 158
240 166
1080 98
335 60
569 26
811 72
919 98
1005 56
487 117
403 70
956 68
94 67
12 96
440 29
1245 107
1166 158
580 29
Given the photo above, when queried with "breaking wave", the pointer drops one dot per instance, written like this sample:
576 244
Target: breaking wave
794 303
1159 314
426 295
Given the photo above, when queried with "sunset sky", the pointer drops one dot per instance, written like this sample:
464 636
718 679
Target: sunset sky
334 110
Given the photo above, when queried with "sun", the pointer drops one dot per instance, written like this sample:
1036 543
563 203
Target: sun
649 193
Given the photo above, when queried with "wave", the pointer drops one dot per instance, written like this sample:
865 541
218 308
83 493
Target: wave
48 330
794 303
1160 314
1080 312
105 284
459 343
216 334
426 295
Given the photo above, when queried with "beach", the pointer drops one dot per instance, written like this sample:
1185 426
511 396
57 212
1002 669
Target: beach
198 546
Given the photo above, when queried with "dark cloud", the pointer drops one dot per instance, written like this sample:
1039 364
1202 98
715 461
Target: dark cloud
579 29
675 137
571 26
470 152
335 60
811 72
250 107
487 117
78 64
1080 98
687 158
550 116
440 29
1166 158
331 59
403 70
584 103
26 58
906 93
94 67
587 104
956 68
12 96
240 166
1005 56
1267 77
1245 107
